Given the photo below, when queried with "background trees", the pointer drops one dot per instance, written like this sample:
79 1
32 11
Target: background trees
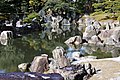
107 9
68 6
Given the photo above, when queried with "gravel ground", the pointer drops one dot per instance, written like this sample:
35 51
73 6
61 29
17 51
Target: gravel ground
109 70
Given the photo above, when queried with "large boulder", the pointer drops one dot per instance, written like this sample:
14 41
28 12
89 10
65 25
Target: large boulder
39 64
74 40
59 56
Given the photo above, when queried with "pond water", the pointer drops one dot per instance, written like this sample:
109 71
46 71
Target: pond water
24 49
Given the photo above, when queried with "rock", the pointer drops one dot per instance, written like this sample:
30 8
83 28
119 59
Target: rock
80 21
65 25
77 72
89 32
80 27
105 34
30 76
76 40
4 41
88 21
116 35
48 18
108 27
76 55
24 67
39 64
97 25
95 40
58 51
89 28
41 13
86 36
109 41
58 55
18 24
52 66
6 35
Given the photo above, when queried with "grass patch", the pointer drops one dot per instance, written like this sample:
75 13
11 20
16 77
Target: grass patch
100 16
101 54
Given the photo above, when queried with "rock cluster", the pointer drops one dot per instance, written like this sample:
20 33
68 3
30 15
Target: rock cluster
98 33
59 64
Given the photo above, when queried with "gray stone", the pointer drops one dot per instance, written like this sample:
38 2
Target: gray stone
6 35
58 55
74 40
105 34
65 25
39 64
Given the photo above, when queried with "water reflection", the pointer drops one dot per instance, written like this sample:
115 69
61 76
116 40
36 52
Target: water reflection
2 71
4 41
93 50
16 51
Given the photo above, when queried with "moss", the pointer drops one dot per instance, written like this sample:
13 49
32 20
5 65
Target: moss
105 16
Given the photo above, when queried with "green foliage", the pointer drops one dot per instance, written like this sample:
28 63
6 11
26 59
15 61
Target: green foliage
109 6
109 9
6 8
30 17
98 5
65 5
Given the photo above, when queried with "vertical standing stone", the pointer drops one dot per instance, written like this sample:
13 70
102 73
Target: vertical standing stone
58 55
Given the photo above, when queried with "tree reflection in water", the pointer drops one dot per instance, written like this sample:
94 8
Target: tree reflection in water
24 49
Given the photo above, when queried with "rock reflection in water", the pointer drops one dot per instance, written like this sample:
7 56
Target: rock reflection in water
2 71
6 42
93 50
16 51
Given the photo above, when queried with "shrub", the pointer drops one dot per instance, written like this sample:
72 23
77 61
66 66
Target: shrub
30 17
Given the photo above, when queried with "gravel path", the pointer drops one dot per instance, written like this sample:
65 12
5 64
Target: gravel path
109 70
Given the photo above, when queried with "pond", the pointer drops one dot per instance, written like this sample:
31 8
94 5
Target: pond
24 49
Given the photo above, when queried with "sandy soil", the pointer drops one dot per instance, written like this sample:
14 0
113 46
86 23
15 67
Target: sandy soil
109 70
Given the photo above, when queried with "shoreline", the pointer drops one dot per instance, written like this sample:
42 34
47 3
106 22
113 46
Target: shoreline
108 68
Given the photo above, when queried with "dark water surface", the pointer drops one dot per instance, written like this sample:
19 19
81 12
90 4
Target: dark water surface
24 49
